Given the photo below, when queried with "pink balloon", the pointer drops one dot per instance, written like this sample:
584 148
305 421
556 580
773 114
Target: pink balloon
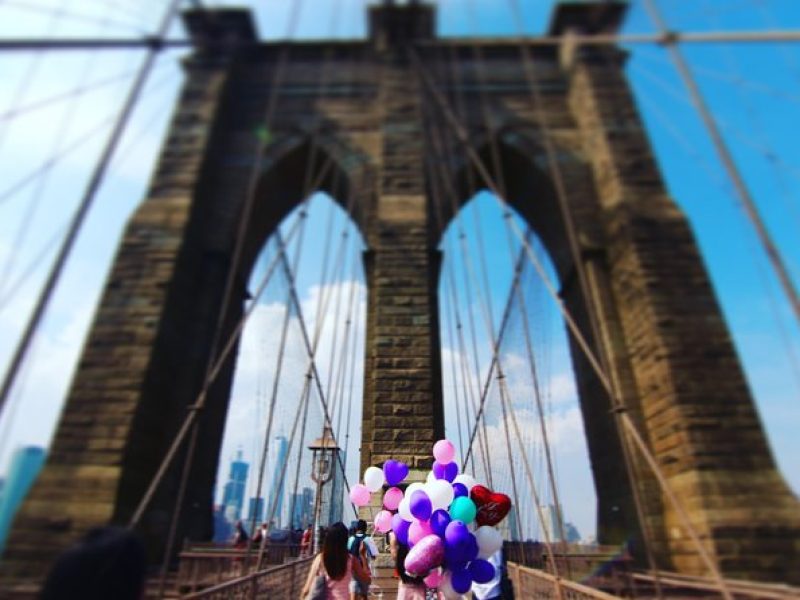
433 579
444 452
392 497
418 530
426 554
359 495
383 521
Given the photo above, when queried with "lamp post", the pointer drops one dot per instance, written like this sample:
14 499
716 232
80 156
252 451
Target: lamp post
325 452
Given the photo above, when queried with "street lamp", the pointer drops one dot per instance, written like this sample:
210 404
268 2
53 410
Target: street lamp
325 453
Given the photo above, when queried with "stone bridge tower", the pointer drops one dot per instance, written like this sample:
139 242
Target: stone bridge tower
375 140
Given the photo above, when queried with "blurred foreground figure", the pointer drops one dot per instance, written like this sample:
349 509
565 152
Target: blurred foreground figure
108 563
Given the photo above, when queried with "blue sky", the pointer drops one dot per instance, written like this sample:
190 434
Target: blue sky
753 90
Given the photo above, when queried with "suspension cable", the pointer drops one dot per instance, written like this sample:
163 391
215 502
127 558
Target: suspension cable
748 202
83 208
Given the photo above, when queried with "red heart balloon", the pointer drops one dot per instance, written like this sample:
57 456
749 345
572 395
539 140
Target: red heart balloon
492 506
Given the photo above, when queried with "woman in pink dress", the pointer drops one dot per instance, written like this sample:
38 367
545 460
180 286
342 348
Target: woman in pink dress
336 565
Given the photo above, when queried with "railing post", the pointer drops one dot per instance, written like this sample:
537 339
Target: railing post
517 581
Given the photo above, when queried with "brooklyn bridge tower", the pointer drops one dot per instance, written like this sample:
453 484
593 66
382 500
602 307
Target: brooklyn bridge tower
406 128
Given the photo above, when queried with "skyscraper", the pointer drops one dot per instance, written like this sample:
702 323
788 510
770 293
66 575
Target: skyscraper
552 527
280 447
303 508
255 511
26 462
233 495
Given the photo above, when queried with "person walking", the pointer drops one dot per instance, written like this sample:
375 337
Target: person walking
363 548
305 541
240 537
491 590
334 568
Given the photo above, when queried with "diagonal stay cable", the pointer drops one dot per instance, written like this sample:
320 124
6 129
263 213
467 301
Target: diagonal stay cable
497 343
14 113
307 343
737 80
83 209
17 285
34 202
742 190
49 163
73 16
201 396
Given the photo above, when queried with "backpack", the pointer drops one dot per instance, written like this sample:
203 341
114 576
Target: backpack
354 547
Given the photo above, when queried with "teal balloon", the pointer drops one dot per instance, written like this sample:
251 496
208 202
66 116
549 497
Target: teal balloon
463 509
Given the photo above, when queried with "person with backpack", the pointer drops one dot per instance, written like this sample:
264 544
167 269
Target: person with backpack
334 569
361 546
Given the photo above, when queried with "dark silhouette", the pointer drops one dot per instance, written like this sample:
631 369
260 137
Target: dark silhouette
108 563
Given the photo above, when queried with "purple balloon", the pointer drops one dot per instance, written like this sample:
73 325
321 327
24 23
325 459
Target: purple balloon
394 471
420 505
459 489
460 545
456 534
461 580
448 471
482 571
471 549
400 528
425 555
440 519
456 537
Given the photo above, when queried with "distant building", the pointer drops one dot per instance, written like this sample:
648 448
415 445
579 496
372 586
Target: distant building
302 508
573 537
508 526
280 448
223 530
26 463
233 494
255 510
552 527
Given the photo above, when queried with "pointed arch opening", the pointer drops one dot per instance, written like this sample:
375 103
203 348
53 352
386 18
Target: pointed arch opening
539 362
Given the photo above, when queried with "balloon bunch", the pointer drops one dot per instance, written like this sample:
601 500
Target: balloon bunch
447 522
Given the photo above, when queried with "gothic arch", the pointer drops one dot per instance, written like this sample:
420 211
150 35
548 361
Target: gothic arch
518 164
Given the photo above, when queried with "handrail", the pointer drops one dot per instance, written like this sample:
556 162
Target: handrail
249 582
774 591
579 590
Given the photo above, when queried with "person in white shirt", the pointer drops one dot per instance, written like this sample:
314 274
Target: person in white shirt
491 590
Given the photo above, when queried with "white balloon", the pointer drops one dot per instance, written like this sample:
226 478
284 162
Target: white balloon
467 480
441 493
374 479
489 541
413 488
404 510
430 477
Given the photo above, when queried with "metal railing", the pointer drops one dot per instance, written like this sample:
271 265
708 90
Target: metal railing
283 581
672 582
204 565
534 583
